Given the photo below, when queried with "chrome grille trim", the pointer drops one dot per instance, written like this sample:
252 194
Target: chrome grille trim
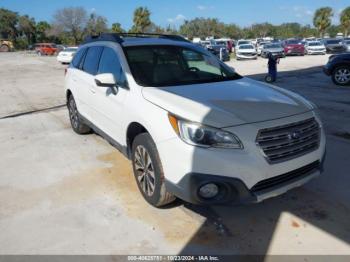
286 142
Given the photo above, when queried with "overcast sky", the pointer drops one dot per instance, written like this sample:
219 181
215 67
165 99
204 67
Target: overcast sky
174 12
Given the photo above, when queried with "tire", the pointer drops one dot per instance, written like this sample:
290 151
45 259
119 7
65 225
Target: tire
144 151
4 48
77 124
269 79
341 75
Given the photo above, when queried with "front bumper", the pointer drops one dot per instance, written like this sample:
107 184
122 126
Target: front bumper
244 168
234 191
247 56
312 52
294 51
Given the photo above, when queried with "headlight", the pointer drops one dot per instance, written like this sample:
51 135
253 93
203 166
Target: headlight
204 136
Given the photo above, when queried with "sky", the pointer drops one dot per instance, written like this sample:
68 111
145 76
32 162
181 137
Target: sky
174 12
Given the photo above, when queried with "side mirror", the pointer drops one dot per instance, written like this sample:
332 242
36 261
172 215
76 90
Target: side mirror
106 80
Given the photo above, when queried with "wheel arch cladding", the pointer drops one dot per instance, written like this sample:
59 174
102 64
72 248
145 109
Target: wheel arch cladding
133 130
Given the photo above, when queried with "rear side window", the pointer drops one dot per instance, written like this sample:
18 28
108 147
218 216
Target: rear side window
77 58
109 63
92 59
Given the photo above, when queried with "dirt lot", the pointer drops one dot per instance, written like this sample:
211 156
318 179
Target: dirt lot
61 193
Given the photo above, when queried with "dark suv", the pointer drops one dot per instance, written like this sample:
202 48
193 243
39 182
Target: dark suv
338 67
335 46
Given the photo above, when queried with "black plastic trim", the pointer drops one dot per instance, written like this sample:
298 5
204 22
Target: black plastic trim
122 149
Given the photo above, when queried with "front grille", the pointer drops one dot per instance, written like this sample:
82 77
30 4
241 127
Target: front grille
290 141
281 179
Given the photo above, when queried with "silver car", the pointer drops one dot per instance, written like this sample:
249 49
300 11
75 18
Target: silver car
275 48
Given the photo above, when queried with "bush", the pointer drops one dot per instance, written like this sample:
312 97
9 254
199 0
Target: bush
21 44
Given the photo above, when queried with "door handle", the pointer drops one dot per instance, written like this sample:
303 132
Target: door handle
92 90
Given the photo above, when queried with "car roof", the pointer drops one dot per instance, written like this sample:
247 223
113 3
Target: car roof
140 41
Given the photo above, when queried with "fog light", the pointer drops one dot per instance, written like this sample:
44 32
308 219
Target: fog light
209 190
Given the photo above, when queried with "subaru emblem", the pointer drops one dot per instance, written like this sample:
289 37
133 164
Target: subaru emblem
294 135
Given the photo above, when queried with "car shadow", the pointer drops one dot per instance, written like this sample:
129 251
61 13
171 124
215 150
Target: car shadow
287 223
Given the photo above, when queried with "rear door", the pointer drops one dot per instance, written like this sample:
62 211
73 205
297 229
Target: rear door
84 82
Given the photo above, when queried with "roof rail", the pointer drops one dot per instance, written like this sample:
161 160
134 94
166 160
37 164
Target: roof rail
118 37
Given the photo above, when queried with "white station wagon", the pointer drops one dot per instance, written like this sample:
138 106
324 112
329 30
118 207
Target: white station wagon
192 127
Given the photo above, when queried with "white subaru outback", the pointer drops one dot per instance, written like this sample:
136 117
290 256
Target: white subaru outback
192 127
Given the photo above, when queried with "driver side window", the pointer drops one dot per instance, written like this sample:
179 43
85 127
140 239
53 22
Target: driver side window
109 63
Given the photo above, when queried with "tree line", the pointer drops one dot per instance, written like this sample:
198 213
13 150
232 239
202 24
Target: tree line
70 25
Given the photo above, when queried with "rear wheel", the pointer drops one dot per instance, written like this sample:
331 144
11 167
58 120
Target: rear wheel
77 124
341 75
148 171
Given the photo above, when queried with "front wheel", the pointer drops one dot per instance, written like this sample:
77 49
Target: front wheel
148 171
341 76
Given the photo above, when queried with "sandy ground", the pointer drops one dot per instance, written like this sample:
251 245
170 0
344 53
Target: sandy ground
61 193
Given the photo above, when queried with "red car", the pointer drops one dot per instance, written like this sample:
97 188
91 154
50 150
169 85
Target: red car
46 49
293 47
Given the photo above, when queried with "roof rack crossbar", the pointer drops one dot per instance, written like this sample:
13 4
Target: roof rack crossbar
118 37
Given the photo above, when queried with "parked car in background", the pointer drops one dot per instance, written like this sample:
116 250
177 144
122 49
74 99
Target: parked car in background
275 48
293 47
246 51
260 46
347 44
66 55
193 129
315 48
61 48
205 43
338 67
227 42
45 49
6 45
334 46
219 49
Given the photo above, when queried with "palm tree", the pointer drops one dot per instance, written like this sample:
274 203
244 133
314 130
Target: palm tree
345 20
322 19
141 20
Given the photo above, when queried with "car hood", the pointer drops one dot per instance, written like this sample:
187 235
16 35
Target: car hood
294 45
246 50
273 50
228 103
316 47
334 45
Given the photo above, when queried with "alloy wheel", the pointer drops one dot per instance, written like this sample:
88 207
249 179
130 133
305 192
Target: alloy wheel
73 113
144 170
342 75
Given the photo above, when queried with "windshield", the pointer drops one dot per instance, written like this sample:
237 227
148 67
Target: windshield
243 42
292 42
246 47
162 66
272 46
333 42
315 44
